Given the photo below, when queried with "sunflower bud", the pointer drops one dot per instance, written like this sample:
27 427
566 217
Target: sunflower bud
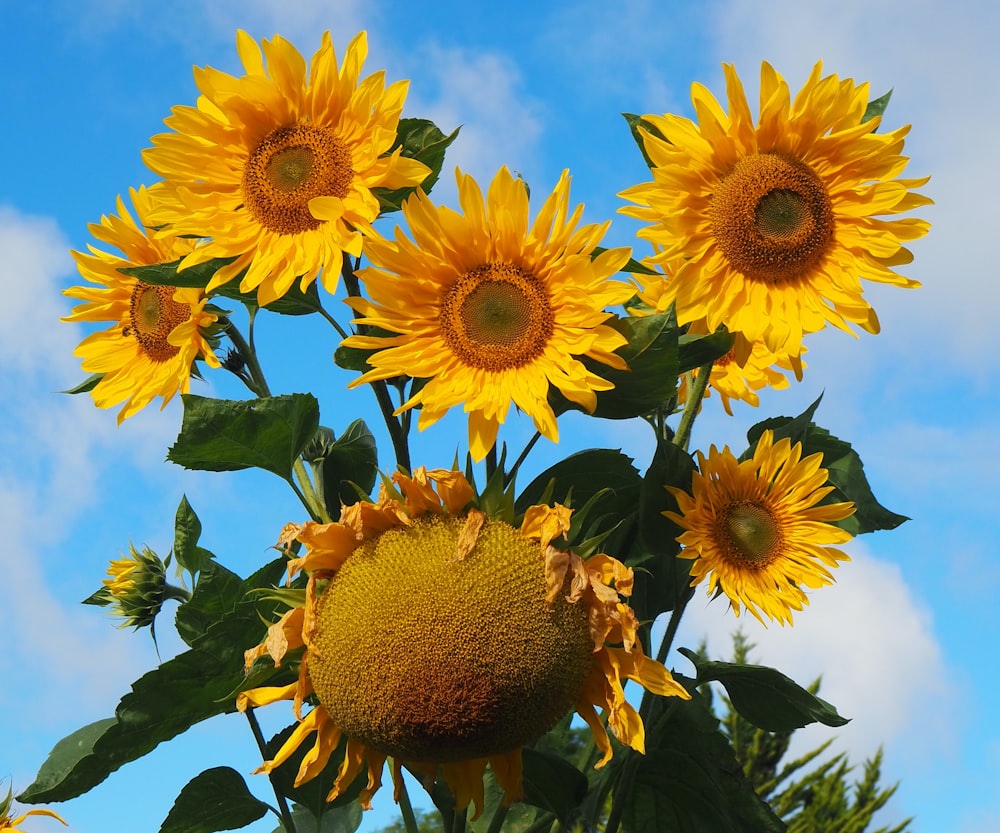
136 588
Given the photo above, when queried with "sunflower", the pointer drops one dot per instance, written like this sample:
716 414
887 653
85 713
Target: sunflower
769 229
9 824
756 530
157 332
276 168
137 587
447 640
744 370
490 310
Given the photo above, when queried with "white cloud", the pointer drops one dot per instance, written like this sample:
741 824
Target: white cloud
485 94
872 642
940 61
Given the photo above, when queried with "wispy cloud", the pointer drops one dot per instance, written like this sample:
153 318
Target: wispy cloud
873 643
485 94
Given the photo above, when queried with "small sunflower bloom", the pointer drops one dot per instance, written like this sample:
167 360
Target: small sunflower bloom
492 310
756 530
136 588
494 636
157 333
743 371
276 168
770 229
10 824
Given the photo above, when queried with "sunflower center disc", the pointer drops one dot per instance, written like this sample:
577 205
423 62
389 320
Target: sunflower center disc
154 313
772 218
430 658
752 533
288 168
497 317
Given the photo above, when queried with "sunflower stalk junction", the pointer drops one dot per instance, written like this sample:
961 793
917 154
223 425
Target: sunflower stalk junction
410 616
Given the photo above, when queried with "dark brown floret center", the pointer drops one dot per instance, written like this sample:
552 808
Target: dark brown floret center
772 218
750 534
497 317
289 167
153 315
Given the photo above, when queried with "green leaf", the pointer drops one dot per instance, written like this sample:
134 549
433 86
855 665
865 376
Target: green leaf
552 784
63 763
217 593
689 779
353 358
764 696
167 274
86 385
662 580
637 124
876 107
844 467
217 799
193 686
342 819
697 351
419 139
187 531
348 461
227 435
293 302
651 378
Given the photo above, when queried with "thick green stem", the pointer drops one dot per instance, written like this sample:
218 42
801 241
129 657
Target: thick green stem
283 812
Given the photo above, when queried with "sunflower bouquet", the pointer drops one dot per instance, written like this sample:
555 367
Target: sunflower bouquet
471 632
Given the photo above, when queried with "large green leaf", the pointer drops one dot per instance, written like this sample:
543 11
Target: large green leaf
62 766
217 799
217 594
765 696
552 784
227 435
193 686
844 467
662 580
689 780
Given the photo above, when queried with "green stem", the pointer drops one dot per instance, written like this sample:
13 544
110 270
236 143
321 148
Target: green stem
172 591
397 433
249 356
459 822
406 809
283 812
696 392
333 321
496 823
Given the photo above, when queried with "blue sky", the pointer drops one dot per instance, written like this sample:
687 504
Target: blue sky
905 641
